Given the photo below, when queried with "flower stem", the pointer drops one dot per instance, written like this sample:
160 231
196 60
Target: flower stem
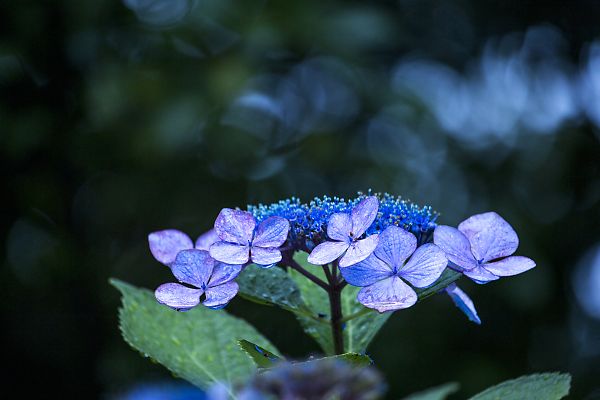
335 302
293 264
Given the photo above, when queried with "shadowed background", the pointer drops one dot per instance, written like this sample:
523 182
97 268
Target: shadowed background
121 118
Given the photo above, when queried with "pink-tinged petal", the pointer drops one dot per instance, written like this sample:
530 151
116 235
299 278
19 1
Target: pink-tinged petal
193 267
425 266
463 302
359 250
510 266
456 246
164 245
206 240
387 295
326 252
363 215
177 296
223 273
272 232
265 255
480 275
339 227
230 253
235 226
218 296
490 236
395 246
366 272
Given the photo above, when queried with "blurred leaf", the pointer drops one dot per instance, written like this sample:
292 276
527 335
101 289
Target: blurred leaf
358 332
546 386
448 276
271 286
263 358
198 345
436 393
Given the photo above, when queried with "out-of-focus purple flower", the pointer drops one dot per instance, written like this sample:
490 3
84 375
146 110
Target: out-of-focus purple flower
463 302
166 244
481 246
345 230
382 274
328 378
207 277
241 240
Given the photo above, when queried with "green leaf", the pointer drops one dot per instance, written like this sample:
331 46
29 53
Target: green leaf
448 276
359 360
358 332
199 345
546 386
262 358
436 393
271 286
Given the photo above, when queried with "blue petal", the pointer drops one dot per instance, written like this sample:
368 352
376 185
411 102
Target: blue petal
463 302
366 272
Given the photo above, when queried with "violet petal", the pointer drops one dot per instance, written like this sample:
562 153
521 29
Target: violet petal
205 240
363 215
425 265
395 246
265 256
164 245
235 226
223 273
218 296
490 236
480 275
230 253
366 272
272 232
463 302
339 227
510 266
359 250
456 246
177 296
193 267
326 252
387 295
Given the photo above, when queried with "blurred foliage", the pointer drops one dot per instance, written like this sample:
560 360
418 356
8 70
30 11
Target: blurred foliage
120 118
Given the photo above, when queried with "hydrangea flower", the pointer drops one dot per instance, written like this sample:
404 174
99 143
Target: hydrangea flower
383 273
207 277
166 244
345 230
463 302
481 247
241 240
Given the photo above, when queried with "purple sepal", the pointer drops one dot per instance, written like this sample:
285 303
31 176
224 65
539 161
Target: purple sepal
166 244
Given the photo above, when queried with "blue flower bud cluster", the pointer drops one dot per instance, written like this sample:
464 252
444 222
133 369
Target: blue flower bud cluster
308 221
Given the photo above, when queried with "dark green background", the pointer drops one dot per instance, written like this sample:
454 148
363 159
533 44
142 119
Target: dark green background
116 121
